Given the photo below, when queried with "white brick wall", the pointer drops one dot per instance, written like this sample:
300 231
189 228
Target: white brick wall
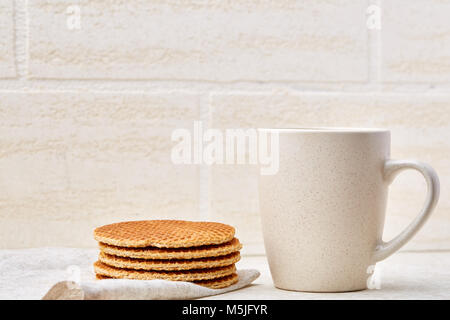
86 113
416 41
7 66
75 160
240 40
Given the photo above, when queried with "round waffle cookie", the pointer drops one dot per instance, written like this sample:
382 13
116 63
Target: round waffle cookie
175 253
185 275
217 283
168 265
164 233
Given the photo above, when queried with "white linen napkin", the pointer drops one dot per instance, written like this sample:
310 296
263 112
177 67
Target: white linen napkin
124 289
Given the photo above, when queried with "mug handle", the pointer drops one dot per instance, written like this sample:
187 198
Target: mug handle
391 169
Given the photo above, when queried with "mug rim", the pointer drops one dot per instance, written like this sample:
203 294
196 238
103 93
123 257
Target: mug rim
328 130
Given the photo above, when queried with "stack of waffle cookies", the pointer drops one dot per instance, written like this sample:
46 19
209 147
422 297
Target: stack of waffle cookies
204 253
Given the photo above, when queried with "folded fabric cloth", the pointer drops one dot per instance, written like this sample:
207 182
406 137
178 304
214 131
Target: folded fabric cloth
124 289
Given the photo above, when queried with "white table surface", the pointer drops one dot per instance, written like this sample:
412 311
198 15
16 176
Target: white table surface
29 273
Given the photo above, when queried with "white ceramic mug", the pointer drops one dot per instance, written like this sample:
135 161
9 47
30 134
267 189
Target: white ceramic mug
323 212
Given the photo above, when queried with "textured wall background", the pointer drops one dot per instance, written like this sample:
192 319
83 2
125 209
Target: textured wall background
91 90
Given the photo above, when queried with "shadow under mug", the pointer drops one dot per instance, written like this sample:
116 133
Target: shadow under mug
323 212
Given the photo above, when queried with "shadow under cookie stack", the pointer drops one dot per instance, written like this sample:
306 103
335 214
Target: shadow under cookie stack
204 253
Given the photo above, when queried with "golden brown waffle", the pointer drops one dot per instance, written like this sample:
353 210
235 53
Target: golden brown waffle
175 253
168 265
164 233
217 283
185 275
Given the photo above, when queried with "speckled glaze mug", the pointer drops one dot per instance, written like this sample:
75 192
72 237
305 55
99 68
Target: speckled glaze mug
323 212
